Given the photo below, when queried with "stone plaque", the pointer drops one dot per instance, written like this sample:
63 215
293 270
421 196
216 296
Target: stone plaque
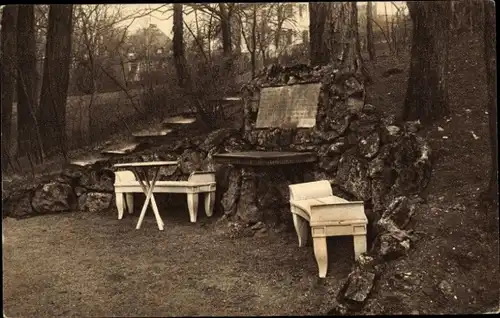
292 105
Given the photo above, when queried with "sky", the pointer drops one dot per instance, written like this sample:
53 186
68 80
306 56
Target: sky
164 21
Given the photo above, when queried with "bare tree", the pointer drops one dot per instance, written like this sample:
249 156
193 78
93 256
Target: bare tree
491 61
249 21
52 111
8 75
427 95
28 136
224 13
369 31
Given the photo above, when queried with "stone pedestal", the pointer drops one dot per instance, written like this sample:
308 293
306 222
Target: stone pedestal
258 185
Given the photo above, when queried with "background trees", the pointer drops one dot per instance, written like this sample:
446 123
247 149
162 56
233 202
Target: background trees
8 75
214 48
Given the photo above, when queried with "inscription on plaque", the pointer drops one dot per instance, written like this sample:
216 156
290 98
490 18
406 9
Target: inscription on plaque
294 105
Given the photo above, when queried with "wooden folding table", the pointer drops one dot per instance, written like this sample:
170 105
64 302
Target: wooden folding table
141 170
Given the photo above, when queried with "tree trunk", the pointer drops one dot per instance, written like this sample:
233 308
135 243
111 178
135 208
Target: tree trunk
388 29
28 138
52 111
369 31
8 76
358 59
335 41
491 61
178 46
227 46
318 12
279 26
254 39
225 24
427 92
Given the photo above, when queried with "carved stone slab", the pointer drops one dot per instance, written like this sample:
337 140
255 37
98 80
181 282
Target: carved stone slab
291 105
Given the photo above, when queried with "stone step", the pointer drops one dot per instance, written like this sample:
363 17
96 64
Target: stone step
88 161
122 149
154 136
178 121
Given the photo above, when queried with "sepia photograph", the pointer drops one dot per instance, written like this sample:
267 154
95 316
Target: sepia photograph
249 159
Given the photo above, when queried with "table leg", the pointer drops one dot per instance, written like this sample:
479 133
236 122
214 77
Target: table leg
151 184
148 188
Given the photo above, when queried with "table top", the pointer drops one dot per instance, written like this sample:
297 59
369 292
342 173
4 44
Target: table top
145 164
264 158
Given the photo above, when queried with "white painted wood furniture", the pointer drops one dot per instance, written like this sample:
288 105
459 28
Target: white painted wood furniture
198 182
141 172
327 215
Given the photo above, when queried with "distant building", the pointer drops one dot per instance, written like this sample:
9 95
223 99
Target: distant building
147 51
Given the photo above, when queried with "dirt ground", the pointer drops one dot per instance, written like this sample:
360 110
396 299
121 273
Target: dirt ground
80 264
454 268
95 265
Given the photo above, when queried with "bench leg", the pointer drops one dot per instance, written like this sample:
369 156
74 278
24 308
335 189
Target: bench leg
192 200
301 227
321 253
119 204
359 245
129 198
209 203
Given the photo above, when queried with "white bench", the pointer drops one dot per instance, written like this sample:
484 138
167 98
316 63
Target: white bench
327 215
198 182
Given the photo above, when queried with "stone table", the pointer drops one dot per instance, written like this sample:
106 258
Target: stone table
258 183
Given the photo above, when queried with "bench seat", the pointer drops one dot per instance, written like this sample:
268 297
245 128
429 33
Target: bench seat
327 215
198 182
